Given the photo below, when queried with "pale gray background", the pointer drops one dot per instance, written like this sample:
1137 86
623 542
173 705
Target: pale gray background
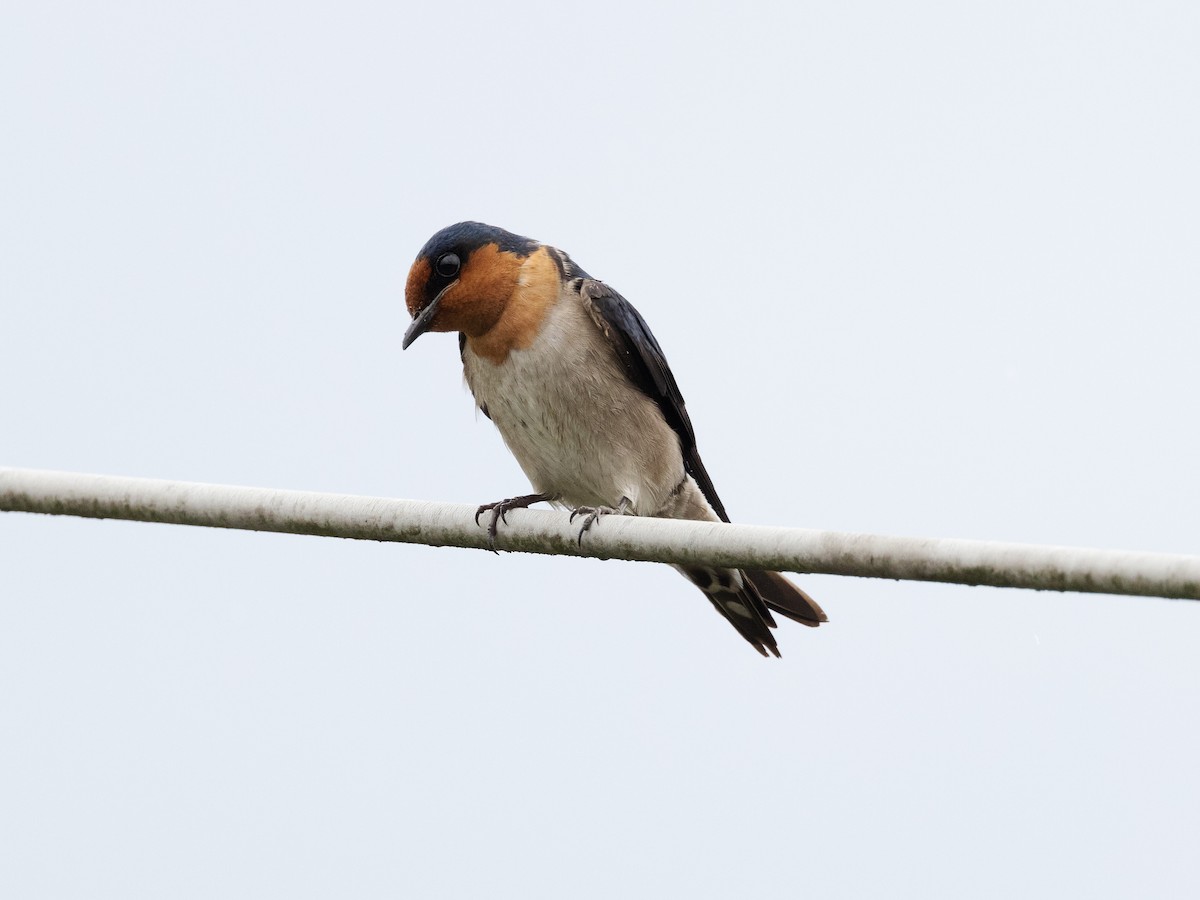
926 269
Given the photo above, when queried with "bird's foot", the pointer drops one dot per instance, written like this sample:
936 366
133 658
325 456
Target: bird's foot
500 510
593 514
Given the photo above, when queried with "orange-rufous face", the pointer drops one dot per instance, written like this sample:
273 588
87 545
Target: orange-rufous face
498 299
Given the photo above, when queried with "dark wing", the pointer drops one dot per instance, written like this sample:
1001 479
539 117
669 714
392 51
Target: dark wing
647 368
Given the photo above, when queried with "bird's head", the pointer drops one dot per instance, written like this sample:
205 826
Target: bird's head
464 278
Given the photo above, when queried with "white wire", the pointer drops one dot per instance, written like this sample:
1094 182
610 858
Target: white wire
614 537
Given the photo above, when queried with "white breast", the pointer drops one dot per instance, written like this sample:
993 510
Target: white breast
579 429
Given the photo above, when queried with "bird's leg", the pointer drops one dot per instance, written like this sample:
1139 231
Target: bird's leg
500 509
592 514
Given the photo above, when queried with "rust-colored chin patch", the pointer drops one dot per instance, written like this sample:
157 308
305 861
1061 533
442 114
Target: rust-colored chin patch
499 300
414 288
474 302
518 319
485 287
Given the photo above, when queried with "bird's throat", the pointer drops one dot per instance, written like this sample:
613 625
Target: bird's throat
501 325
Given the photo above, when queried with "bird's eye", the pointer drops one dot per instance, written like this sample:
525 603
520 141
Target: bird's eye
447 265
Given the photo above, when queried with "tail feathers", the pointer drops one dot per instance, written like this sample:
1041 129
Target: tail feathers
746 599
785 598
750 625
739 603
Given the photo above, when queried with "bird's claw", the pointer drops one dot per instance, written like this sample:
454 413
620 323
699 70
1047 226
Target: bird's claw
593 514
500 510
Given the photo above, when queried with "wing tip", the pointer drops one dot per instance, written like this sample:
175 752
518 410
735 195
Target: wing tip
785 598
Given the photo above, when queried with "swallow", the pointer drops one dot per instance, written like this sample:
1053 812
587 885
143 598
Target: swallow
580 390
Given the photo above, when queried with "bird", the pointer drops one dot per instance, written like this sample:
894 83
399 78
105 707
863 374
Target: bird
580 390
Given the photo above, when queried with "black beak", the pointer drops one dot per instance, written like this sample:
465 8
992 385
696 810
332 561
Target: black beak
424 319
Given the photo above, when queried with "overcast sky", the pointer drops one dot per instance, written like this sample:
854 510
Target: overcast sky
922 269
